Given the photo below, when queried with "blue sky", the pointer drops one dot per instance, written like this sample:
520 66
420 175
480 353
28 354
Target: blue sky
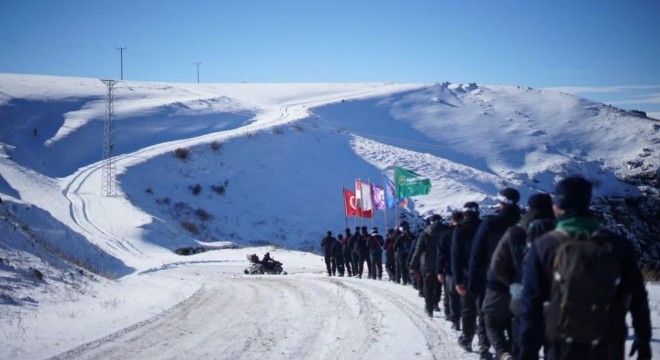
608 50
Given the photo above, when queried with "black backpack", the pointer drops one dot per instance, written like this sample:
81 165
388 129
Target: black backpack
586 275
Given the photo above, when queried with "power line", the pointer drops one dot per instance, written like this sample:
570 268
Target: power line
121 56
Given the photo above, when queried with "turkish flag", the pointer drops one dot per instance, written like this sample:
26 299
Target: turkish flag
352 208
350 204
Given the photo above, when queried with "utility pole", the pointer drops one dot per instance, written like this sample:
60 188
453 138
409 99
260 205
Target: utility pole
121 57
198 64
108 180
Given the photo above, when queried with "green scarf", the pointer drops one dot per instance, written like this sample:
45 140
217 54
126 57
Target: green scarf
579 225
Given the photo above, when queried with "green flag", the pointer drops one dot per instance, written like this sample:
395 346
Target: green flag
410 184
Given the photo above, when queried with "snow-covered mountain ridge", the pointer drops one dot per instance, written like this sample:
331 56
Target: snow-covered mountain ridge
266 162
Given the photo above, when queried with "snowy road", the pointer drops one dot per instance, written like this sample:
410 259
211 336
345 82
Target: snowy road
301 316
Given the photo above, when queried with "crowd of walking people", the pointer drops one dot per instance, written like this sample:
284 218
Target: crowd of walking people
548 281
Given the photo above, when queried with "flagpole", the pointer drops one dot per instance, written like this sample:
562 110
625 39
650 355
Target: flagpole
372 202
360 204
396 197
382 180
343 188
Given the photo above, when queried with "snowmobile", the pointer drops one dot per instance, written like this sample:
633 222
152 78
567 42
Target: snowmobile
268 266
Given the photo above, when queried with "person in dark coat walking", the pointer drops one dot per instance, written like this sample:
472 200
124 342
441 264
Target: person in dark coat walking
508 260
390 266
493 296
347 252
338 255
355 250
425 258
363 253
402 246
328 244
375 245
461 244
571 206
452 301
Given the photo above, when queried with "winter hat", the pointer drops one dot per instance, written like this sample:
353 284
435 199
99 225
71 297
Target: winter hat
471 207
374 230
573 194
329 233
508 196
542 202
435 218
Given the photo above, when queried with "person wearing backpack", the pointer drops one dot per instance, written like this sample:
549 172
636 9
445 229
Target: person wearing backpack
579 283
508 260
492 295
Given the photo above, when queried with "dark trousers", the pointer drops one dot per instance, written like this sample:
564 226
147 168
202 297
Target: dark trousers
402 272
355 259
498 320
339 261
377 265
362 258
348 262
468 316
438 293
389 265
484 344
452 300
606 350
330 264
431 288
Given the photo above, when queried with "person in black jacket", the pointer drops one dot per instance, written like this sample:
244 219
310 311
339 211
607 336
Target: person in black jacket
363 253
461 244
375 245
571 206
347 252
508 260
492 295
390 266
338 255
452 301
402 244
425 259
355 250
328 244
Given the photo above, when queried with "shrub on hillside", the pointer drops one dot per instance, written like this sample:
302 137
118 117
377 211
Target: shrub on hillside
191 227
182 153
216 146
203 214
196 189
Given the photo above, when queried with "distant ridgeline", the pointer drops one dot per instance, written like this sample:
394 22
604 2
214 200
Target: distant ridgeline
637 218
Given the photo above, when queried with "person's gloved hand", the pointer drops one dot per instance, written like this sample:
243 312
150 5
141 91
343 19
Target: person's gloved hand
642 348
515 289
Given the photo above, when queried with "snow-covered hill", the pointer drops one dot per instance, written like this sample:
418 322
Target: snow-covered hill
225 165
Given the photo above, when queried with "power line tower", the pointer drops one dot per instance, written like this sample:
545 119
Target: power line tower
197 64
108 177
121 58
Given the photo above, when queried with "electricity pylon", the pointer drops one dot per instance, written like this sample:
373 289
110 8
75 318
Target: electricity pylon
108 179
